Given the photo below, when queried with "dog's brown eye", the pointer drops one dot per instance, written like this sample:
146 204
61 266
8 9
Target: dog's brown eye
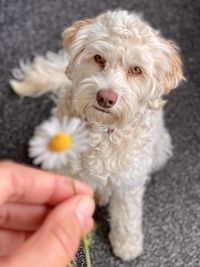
135 71
101 61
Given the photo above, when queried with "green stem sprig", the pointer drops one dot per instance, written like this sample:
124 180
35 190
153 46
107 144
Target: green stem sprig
86 240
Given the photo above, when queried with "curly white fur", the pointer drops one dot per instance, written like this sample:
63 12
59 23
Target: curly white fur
118 162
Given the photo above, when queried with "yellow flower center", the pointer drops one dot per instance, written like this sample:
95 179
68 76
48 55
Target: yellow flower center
60 141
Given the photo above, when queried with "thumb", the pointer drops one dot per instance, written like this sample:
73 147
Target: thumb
57 241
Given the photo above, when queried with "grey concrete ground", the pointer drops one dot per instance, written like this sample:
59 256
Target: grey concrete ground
172 199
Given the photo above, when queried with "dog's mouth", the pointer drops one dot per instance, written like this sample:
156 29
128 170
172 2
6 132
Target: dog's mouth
102 110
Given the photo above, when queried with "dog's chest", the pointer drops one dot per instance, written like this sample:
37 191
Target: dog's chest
111 154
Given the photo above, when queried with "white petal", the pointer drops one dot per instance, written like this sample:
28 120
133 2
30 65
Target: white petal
56 123
50 126
42 158
51 162
80 138
73 125
38 142
63 160
49 130
34 152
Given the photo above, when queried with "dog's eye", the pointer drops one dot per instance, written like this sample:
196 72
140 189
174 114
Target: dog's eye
134 71
101 61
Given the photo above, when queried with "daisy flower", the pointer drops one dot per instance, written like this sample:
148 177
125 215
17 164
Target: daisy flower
56 142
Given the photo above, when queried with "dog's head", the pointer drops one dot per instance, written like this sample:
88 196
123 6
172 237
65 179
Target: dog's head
118 66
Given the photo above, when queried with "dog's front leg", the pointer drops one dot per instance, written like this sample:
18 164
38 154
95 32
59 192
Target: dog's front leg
102 195
126 234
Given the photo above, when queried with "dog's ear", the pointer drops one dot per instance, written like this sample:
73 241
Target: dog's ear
70 33
167 72
171 64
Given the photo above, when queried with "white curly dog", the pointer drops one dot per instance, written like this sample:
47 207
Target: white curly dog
118 69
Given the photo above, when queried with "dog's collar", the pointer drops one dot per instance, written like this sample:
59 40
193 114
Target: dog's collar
101 128
110 130
107 130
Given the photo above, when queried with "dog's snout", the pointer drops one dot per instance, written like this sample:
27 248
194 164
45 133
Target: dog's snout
106 98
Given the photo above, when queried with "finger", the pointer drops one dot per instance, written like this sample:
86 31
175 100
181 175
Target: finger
24 184
22 217
10 240
89 225
56 242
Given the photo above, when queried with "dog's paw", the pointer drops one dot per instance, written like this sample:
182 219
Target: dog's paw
127 248
102 198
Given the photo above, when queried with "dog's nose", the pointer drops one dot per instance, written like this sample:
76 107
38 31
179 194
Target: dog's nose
106 98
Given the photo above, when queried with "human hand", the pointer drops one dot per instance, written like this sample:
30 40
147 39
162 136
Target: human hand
41 218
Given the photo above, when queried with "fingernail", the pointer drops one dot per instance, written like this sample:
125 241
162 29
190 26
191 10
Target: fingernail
85 209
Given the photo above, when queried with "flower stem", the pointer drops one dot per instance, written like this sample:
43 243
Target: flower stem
72 263
85 238
87 251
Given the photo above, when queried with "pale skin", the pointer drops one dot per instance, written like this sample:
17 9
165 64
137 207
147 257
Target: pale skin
42 219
